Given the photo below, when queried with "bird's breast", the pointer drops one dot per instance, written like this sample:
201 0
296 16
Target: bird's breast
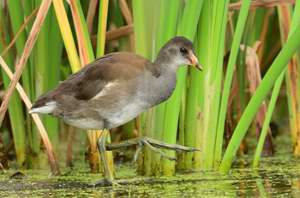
127 112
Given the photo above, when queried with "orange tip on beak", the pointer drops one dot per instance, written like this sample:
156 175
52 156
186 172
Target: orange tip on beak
194 62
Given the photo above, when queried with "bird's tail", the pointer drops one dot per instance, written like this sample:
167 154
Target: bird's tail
43 105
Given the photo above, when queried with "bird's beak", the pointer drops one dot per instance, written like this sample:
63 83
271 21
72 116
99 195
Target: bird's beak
194 61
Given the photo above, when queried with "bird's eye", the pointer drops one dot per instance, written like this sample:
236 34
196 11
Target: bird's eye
183 50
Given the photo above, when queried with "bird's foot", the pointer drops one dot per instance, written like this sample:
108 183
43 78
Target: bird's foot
153 144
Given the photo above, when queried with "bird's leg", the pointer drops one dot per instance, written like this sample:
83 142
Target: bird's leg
108 174
153 144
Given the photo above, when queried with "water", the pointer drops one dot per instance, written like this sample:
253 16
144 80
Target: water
278 177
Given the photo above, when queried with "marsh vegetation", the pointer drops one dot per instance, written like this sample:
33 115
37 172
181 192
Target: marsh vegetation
246 98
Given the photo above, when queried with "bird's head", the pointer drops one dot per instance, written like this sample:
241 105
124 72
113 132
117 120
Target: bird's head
179 51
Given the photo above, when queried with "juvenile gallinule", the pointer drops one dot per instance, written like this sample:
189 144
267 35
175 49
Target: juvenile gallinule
116 88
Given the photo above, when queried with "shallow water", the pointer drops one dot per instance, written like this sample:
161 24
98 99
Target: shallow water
278 177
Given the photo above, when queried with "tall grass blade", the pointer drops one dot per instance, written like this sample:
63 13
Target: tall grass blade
15 107
16 12
187 28
212 39
191 111
103 9
86 51
66 33
16 18
266 85
145 26
21 63
166 29
47 55
27 49
53 70
283 24
229 75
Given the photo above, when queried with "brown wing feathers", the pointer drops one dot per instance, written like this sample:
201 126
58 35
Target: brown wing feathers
91 80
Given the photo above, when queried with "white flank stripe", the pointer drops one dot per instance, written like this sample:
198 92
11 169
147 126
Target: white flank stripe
105 89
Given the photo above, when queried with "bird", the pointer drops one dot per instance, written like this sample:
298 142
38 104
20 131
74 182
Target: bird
116 88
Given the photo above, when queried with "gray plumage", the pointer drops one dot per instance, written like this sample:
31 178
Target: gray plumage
117 87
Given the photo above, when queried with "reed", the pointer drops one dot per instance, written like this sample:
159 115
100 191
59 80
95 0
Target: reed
284 21
229 75
15 13
213 39
165 117
187 27
165 31
44 136
102 22
266 85
23 48
15 108
16 18
292 79
46 64
66 32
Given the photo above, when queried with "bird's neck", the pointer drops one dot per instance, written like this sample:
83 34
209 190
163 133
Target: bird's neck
165 64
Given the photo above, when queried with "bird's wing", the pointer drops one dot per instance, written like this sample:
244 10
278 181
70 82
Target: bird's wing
102 73
96 76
